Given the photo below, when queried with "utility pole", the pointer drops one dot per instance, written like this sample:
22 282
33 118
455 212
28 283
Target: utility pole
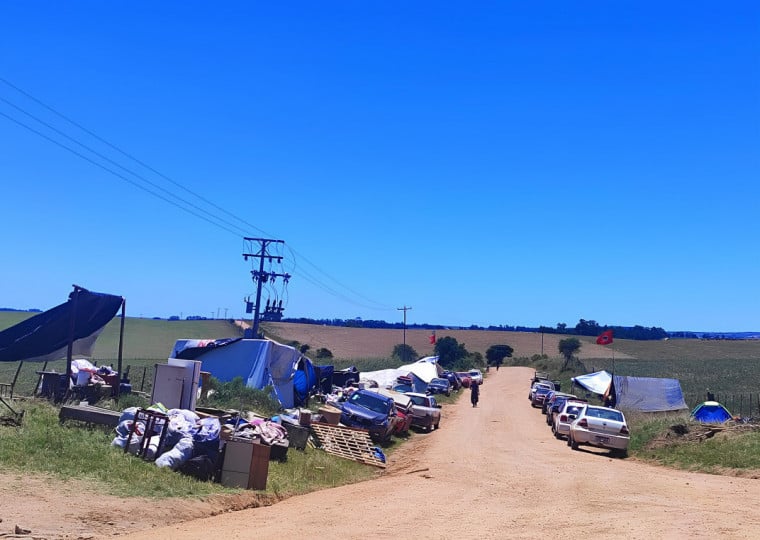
260 276
225 312
404 309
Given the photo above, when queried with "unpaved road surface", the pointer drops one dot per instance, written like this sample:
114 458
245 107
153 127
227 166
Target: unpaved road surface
495 471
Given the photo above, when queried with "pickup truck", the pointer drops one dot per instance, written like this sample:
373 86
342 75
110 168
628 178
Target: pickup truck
426 413
371 411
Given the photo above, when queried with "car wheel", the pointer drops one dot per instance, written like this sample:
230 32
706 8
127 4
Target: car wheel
437 424
573 444
568 440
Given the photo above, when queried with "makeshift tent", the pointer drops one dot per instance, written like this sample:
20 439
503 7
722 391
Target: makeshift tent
711 412
647 394
46 337
597 383
260 362
386 378
426 368
325 378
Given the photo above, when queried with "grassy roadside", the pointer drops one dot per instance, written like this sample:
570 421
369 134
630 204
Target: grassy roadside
42 445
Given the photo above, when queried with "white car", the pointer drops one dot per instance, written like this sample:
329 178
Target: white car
476 375
565 416
601 427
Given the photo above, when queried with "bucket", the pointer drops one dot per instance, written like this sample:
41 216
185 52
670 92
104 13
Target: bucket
304 417
330 414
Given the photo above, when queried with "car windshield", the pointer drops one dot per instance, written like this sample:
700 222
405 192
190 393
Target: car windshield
573 409
419 400
369 402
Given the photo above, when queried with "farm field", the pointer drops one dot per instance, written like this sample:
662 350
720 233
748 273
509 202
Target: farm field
729 368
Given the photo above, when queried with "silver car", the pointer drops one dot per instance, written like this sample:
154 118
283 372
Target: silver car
565 416
601 427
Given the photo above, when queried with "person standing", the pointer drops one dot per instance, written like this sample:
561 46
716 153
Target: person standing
474 393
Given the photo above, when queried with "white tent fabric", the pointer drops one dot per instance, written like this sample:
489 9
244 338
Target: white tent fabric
598 382
260 362
425 368
385 378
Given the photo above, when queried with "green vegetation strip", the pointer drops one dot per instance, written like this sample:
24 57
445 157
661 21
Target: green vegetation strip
42 445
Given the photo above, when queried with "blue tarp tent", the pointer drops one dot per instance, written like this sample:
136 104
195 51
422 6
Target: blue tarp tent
711 412
646 394
260 362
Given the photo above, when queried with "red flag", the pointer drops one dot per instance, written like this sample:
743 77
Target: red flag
605 338
432 338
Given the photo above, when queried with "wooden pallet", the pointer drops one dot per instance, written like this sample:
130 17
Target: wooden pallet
349 443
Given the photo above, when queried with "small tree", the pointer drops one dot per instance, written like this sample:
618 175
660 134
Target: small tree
567 348
404 353
497 353
304 348
324 353
449 351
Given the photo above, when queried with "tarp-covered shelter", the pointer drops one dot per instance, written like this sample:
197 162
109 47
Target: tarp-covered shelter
426 368
46 336
597 382
711 412
646 394
386 378
260 363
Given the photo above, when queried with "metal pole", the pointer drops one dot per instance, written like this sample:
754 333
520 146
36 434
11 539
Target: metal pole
121 346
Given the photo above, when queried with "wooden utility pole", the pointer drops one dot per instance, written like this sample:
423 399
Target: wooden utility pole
405 309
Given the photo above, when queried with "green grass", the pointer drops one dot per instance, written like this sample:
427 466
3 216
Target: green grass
42 445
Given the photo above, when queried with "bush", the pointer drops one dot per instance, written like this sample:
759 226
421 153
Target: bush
324 353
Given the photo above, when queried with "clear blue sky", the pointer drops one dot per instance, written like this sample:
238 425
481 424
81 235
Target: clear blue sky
482 162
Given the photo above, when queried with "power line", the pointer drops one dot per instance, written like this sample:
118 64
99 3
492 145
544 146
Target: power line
302 273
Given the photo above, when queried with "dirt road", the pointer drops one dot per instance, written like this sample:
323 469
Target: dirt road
489 473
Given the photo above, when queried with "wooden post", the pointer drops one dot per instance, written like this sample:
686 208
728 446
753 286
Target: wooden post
142 384
72 329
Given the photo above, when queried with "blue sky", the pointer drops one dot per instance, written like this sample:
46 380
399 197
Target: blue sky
482 162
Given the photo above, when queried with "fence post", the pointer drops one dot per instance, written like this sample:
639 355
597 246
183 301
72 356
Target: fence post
142 383
741 405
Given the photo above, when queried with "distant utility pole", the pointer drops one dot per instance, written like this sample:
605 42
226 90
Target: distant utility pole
404 309
260 276
225 312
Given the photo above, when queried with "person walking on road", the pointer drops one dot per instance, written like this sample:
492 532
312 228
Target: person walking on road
474 393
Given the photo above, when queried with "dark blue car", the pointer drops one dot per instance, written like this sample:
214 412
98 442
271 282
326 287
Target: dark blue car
371 411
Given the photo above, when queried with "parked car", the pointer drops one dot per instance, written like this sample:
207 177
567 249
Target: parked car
539 394
564 416
551 397
369 410
403 408
426 413
555 404
439 386
476 375
546 384
601 427
454 379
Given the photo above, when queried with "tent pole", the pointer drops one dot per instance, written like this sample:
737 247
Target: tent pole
72 325
121 346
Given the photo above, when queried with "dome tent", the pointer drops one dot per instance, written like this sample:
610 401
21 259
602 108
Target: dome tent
711 412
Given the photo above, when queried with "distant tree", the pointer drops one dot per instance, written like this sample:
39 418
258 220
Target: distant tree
497 353
561 327
404 353
449 351
324 353
567 348
304 348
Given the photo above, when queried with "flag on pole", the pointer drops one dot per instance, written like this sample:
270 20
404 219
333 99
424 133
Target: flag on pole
432 338
605 338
